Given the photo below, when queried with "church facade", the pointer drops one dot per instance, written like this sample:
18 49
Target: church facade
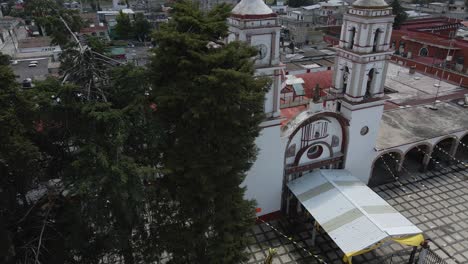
338 131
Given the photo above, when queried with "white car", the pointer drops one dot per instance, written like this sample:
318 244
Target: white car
34 62
32 65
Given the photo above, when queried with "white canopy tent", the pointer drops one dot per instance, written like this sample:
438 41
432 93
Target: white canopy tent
355 217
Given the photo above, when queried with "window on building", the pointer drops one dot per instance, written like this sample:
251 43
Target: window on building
315 152
345 79
423 52
377 35
352 34
369 83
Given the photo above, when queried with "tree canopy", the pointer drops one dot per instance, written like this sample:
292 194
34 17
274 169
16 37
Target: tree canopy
209 108
399 12
133 164
123 28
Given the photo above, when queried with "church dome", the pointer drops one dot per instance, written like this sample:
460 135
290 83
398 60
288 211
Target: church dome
252 8
370 4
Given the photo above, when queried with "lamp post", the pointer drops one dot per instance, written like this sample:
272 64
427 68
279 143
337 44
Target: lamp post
448 58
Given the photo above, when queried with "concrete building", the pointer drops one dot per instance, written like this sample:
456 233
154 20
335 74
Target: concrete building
303 23
320 144
11 32
456 9
368 120
109 16
93 30
37 47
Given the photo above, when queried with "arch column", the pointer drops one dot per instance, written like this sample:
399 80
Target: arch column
426 160
453 151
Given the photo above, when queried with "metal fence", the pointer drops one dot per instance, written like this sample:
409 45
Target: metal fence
430 258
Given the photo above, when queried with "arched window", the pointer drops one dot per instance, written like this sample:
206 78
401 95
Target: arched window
345 78
377 35
352 34
369 84
423 52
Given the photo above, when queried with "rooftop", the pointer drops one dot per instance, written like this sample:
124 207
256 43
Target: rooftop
35 42
412 124
414 87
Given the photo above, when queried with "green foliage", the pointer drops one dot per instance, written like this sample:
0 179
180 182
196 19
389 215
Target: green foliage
123 28
139 29
97 44
209 108
145 161
4 59
399 12
47 14
99 145
299 3
19 168
142 27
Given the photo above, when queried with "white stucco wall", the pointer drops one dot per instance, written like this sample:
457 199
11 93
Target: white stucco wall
265 178
361 149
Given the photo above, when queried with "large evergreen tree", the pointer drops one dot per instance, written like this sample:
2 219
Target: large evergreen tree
209 106
399 12
123 28
103 151
142 27
19 171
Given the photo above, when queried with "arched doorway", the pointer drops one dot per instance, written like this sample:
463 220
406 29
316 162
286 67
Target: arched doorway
442 153
315 141
385 168
415 159
462 149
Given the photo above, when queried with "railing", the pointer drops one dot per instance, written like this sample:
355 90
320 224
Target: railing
431 258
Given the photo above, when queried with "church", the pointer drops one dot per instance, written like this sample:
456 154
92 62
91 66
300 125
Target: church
323 158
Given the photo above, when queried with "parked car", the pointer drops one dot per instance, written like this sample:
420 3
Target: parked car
27 83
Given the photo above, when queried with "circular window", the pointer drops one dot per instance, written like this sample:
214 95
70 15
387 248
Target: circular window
364 130
315 152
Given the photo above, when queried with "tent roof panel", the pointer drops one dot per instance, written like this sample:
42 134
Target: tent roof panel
352 214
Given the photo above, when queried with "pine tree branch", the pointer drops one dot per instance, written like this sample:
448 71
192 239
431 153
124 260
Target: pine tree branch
41 235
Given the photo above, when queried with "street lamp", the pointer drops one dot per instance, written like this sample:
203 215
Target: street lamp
448 58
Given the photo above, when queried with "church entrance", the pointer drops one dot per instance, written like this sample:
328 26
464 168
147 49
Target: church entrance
315 141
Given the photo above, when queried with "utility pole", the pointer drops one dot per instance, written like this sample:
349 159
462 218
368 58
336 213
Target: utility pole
434 107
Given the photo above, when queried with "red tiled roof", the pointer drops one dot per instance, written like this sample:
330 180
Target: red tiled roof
291 112
322 78
93 29
429 38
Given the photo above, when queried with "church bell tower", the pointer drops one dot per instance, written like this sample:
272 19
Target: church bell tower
253 22
360 71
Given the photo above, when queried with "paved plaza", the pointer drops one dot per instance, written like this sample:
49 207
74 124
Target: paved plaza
437 202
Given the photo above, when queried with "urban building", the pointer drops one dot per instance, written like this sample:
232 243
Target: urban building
355 126
37 47
304 23
11 32
93 30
